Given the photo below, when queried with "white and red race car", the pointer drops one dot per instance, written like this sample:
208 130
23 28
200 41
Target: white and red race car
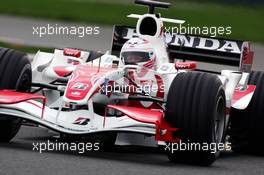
139 94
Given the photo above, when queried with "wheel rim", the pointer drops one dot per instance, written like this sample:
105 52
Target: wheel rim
219 120
23 81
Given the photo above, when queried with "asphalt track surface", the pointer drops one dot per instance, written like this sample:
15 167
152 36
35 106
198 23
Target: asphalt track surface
18 157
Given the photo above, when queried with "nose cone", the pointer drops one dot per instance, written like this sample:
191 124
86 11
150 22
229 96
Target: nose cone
82 83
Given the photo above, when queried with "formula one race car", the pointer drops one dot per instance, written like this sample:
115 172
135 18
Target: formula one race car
148 91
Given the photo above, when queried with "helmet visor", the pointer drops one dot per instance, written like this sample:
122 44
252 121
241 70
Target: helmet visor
133 58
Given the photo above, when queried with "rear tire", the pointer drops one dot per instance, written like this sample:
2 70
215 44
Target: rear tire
246 126
15 71
196 105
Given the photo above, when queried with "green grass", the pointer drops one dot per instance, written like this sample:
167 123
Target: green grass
246 22
23 48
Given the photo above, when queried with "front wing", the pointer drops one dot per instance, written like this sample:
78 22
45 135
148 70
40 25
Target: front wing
137 120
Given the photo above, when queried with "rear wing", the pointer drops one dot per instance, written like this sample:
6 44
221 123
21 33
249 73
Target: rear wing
197 48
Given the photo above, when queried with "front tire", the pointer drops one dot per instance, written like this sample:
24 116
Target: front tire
196 105
15 71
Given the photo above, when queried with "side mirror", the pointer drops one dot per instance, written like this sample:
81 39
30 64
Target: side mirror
185 65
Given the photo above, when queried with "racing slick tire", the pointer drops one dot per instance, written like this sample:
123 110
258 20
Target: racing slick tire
196 105
15 71
246 126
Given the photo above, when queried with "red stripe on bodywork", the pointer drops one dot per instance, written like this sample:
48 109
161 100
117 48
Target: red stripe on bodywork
30 102
151 117
160 91
85 75
13 97
238 94
61 71
140 114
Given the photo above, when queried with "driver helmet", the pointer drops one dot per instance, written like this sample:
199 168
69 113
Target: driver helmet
137 51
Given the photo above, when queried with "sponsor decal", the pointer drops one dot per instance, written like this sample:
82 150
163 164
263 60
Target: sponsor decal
79 86
81 121
194 42
72 52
